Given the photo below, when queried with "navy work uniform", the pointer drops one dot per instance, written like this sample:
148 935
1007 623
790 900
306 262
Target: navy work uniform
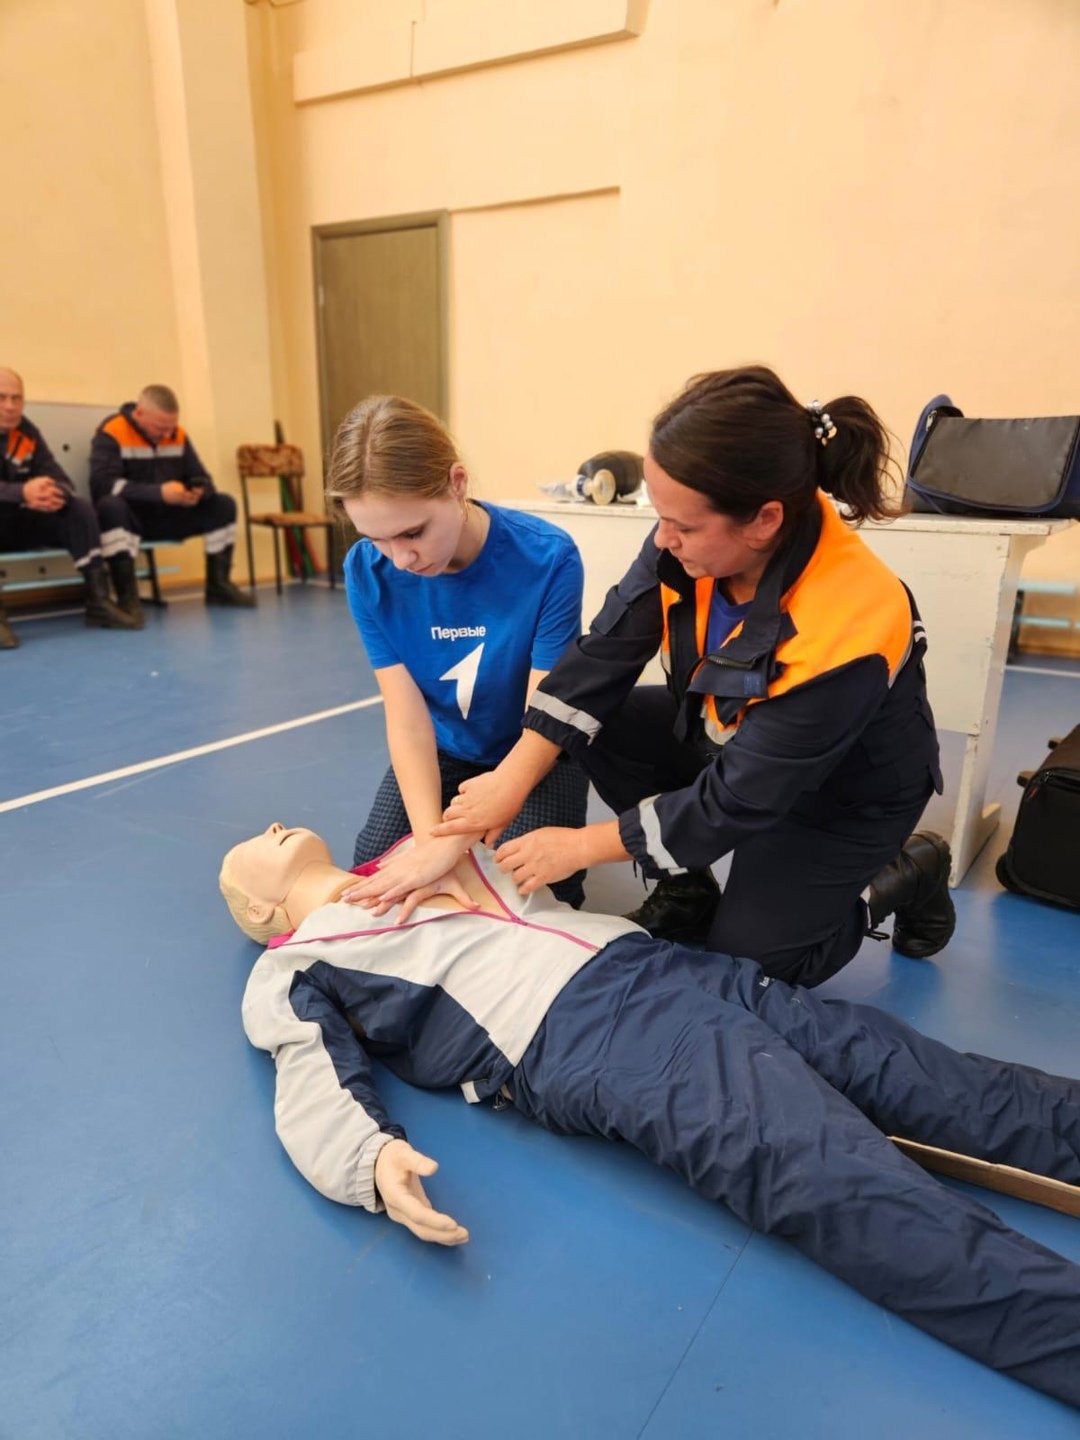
127 471
802 741
24 455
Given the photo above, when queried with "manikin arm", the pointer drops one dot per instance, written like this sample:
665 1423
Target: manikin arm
327 1111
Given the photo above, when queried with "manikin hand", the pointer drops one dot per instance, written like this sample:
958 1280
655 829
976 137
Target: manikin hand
43 493
542 857
398 1168
485 804
414 875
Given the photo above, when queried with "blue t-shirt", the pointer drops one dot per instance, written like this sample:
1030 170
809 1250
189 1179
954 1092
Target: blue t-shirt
469 639
724 615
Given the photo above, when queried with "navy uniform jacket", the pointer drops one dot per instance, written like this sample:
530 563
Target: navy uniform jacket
814 705
24 455
125 461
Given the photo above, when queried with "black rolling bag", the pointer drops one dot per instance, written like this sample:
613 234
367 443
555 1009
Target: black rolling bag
1043 858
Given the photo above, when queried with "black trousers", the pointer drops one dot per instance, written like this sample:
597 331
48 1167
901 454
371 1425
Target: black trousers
74 529
792 901
779 1103
125 522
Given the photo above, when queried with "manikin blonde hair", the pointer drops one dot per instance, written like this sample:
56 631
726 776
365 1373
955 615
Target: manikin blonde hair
238 902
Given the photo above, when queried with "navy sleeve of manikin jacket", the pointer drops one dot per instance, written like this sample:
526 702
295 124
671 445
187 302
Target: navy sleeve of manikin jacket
783 748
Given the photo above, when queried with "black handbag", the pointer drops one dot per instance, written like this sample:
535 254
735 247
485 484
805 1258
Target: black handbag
1043 857
1012 468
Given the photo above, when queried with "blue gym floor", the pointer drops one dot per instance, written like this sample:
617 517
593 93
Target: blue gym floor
166 1273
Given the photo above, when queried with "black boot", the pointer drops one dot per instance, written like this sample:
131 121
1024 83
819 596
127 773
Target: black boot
915 886
122 570
679 907
220 590
101 613
8 639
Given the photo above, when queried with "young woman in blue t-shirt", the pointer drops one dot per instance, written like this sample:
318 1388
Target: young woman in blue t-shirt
462 608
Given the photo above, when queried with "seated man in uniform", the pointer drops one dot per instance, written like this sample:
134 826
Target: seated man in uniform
759 1094
145 470
39 508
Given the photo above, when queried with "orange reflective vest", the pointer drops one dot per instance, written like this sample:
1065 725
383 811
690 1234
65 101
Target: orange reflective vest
845 604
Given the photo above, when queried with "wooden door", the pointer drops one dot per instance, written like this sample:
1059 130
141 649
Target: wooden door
381 307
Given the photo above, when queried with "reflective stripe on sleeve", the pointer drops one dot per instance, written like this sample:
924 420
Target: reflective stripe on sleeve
580 720
650 827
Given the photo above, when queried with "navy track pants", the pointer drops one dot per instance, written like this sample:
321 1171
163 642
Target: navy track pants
75 528
777 1102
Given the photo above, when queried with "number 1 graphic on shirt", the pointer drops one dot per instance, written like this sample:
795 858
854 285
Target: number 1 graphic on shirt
465 673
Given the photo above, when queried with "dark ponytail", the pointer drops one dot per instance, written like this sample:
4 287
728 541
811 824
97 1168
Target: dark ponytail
855 465
740 438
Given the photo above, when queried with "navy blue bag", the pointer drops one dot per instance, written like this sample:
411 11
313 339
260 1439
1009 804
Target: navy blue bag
1016 468
1043 858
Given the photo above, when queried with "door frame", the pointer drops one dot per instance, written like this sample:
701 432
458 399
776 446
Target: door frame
437 219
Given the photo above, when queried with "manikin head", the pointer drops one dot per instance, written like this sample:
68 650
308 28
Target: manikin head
157 412
272 882
396 473
11 398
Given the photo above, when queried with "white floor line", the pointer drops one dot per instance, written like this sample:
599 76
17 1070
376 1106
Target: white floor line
23 800
1043 670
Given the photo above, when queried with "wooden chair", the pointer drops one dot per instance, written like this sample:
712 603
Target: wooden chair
284 463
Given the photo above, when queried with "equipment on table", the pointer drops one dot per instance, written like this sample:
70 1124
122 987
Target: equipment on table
612 475
962 466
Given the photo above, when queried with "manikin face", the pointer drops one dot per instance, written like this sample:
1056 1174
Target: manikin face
11 400
267 867
704 541
156 425
421 537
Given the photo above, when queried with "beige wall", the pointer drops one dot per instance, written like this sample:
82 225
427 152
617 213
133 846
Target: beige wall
131 230
871 197
85 300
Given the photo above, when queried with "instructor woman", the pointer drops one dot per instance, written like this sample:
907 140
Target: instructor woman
794 731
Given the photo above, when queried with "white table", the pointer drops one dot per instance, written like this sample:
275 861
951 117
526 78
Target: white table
963 574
